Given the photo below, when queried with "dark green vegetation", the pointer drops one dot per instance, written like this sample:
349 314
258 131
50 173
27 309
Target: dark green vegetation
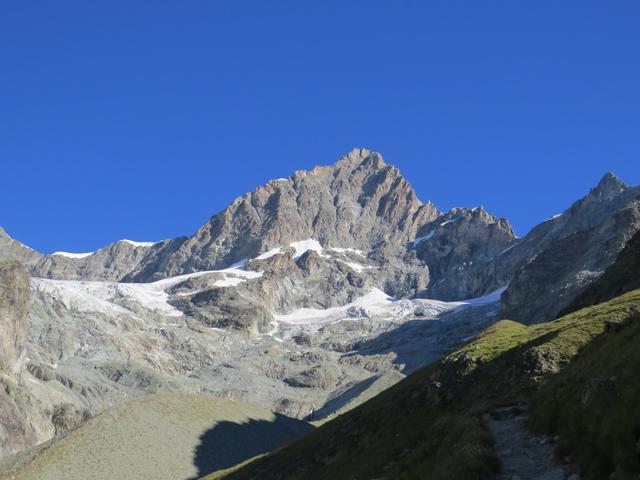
429 425
594 405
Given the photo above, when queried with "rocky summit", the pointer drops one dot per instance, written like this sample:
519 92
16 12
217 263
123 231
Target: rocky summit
306 298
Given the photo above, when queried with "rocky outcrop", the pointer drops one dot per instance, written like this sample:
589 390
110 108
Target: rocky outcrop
14 304
460 248
228 307
621 277
13 249
15 431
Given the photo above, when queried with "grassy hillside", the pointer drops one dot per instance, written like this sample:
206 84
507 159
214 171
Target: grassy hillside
593 405
429 425
162 437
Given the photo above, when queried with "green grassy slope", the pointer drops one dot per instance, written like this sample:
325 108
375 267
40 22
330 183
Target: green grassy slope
429 425
162 437
594 405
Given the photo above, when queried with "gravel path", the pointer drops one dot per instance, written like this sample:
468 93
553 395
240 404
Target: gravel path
524 456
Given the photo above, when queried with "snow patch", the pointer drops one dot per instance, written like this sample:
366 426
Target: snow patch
269 254
376 301
227 273
111 297
348 250
492 297
357 267
73 255
502 252
101 297
424 238
303 246
137 244
450 221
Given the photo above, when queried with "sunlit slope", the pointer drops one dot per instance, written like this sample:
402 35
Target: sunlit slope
163 437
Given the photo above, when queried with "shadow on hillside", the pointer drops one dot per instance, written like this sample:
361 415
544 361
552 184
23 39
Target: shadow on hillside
344 398
417 343
228 443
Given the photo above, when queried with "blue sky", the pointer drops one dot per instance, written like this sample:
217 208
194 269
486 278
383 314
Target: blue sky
141 119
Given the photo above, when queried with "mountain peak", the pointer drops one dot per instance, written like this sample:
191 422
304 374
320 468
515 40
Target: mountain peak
610 183
357 156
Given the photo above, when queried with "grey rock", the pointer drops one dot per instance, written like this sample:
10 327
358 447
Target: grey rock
227 307
66 417
360 202
16 433
15 291
13 249
316 377
460 248
113 262
562 256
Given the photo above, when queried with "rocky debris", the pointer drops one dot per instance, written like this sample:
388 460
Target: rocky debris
317 377
66 417
539 363
227 307
523 455
371 363
16 433
294 408
358 312
15 292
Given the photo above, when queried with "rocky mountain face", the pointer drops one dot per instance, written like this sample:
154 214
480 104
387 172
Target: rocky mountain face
460 248
621 277
15 431
563 255
360 202
404 247
14 302
307 294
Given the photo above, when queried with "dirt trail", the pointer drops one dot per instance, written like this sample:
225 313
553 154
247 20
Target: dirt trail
524 456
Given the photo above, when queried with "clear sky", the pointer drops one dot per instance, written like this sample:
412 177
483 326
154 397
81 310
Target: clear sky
140 119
